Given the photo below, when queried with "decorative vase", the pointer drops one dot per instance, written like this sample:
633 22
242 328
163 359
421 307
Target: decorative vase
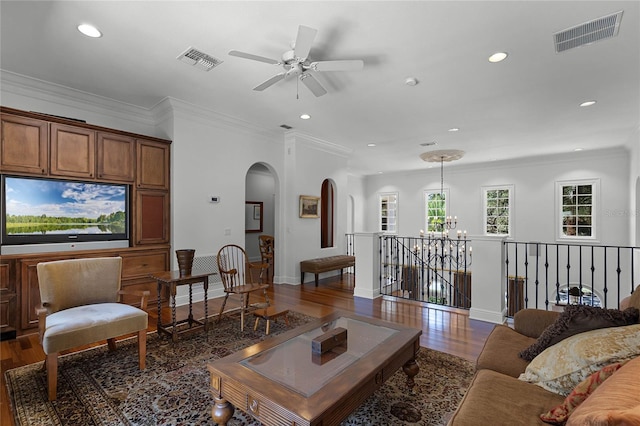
185 260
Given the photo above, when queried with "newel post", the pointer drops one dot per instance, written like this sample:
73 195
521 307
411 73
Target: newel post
367 252
488 284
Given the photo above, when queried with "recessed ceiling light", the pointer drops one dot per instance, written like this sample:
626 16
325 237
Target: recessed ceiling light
453 129
578 149
305 116
411 81
371 144
89 30
498 56
379 173
587 103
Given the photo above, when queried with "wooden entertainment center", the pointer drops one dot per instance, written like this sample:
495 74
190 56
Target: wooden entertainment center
34 144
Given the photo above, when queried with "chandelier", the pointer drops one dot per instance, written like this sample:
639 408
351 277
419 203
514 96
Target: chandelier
450 222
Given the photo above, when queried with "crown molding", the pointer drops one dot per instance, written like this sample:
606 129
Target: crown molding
195 113
72 98
317 143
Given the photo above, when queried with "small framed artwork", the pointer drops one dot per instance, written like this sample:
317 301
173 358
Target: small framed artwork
309 206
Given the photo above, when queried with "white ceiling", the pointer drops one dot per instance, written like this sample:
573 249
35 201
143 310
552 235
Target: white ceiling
526 105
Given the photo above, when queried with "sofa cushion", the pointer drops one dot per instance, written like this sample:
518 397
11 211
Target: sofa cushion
496 399
559 414
500 352
615 402
576 319
562 366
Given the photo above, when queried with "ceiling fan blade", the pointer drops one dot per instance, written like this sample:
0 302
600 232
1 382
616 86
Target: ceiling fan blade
253 57
348 65
273 80
312 84
303 41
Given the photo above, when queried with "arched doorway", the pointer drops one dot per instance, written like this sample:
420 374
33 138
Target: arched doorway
260 187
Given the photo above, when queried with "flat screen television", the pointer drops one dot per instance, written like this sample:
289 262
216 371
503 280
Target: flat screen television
46 214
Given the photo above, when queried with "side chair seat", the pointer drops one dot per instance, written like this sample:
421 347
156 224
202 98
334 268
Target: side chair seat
91 323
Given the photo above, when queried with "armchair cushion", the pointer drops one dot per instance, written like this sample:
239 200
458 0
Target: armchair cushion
91 323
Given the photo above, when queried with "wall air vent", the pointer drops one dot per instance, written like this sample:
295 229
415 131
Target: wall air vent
587 33
286 127
198 59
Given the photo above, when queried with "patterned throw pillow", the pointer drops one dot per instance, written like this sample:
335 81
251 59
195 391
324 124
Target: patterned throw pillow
577 319
559 414
561 367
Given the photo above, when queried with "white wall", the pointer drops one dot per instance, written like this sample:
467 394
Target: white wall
308 162
534 180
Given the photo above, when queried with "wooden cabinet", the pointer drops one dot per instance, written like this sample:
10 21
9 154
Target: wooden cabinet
137 264
73 151
152 217
34 144
116 157
153 165
25 145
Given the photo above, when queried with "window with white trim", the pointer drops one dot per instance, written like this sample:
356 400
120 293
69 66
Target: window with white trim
498 209
435 204
388 221
576 208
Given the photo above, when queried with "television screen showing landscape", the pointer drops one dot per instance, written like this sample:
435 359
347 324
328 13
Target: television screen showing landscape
50 207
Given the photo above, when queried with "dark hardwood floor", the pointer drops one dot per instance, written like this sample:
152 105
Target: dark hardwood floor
444 329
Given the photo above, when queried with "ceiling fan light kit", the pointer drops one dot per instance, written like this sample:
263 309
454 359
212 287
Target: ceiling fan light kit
296 63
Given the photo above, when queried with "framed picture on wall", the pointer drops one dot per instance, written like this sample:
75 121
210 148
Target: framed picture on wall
309 206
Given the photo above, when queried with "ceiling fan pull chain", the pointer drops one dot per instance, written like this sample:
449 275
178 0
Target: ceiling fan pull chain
297 87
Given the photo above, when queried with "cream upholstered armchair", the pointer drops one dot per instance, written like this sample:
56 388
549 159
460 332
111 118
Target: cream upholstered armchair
80 306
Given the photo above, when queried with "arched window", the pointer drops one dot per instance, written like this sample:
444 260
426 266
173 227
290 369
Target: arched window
326 214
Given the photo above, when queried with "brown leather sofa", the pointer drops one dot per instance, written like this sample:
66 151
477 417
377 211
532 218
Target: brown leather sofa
496 396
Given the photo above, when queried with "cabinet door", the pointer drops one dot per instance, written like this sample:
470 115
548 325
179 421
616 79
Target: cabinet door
116 155
73 151
24 146
153 165
152 217
8 308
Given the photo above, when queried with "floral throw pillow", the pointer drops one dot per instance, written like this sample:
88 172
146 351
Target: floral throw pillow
558 415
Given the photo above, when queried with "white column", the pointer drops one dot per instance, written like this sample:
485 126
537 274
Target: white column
367 252
488 283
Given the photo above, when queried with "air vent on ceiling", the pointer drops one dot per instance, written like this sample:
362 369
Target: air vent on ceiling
193 56
587 33
284 126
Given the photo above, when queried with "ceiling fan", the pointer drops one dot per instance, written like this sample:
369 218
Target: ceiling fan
296 62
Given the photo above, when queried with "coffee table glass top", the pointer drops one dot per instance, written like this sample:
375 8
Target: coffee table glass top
294 364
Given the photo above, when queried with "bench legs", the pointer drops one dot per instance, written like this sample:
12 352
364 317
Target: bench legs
316 277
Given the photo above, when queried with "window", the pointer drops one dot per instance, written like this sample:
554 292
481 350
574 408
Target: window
576 202
435 210
498 210
389 212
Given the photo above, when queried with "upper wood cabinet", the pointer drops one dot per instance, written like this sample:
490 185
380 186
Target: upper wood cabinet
153 165
73 151
116 157
25 145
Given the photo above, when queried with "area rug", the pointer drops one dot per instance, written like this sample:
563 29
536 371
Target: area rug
98 387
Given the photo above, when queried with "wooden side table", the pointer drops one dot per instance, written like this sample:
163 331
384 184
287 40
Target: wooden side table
173 279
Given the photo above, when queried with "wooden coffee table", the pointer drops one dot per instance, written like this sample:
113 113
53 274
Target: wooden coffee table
283 381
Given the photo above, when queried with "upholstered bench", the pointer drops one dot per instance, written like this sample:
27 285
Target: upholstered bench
326 264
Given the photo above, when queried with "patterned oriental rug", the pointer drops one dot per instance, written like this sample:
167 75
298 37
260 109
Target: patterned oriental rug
97 387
